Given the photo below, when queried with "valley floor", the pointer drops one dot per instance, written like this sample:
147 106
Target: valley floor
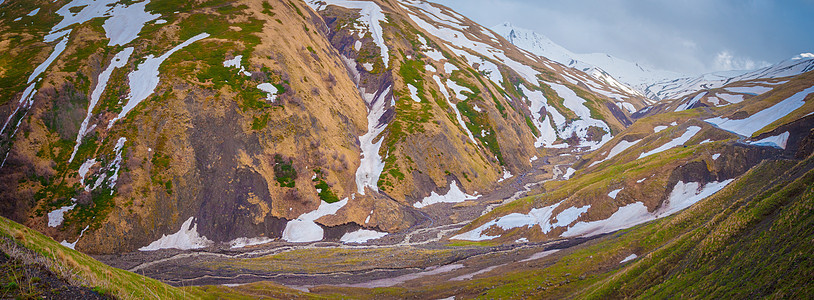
403 259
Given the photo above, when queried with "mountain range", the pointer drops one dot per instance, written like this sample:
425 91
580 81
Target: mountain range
384 149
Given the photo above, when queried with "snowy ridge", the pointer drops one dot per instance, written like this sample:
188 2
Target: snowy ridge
612 71
677 88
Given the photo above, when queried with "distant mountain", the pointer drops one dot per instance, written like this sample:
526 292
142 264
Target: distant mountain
679 87
630 73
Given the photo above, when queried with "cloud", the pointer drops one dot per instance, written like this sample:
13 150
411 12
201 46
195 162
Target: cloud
726 61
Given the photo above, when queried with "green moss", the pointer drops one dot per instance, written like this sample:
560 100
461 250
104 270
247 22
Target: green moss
259 123
284 171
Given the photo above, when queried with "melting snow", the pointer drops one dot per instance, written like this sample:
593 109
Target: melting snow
126 22
454 195
54 54
540 255
270 89
621 146
715 156
56 217
118 61
579 127
116 164
570 171
361 236
144 80
751 90
692 102
33 12
731 98
506 175
659 128
245 242
691 131
304 229
778 141
686 194
185 239
755 122
73 245
414 93
84 168
629 258
371 164
370 15
627 216
613 193
538 103
537 216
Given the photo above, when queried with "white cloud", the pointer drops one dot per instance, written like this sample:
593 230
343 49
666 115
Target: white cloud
725 61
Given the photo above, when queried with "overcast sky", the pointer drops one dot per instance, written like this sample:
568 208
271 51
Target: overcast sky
686 36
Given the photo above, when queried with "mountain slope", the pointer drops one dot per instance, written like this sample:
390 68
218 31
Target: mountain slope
242 122
658 166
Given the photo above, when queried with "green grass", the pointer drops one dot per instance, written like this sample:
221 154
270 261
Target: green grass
118 283
284 171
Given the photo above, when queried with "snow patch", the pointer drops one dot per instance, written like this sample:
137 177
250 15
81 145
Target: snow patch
118 61
361 236
144 80
304 229
755 122
270 90
691 131
246 242
716 156
454 195
57 216
777 141
536 216
185 239
659 128
613 193
628 258
371 165
414 93
686 194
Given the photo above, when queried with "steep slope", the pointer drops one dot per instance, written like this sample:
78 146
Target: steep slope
152 125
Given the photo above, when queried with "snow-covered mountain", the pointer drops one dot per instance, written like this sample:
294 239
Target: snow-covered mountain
679 87
600 65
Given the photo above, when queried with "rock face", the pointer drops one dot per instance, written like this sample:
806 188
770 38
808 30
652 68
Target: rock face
244 115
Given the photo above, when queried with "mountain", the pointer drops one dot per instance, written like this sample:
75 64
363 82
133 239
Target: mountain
128 126
679 87
600 65
379 150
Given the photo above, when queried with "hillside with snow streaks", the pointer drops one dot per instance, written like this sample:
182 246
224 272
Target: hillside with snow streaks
371 17
680 87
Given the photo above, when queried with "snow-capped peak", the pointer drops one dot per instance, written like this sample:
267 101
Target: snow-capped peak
630 73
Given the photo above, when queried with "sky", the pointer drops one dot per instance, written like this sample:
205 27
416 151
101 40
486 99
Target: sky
685 36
